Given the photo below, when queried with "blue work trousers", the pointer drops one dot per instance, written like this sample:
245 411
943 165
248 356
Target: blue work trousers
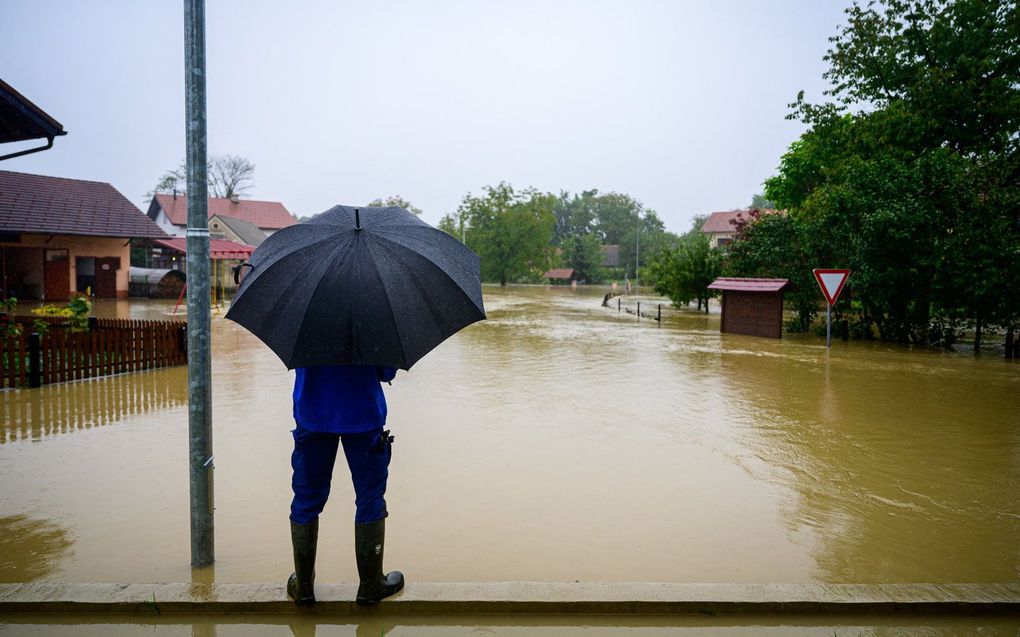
368 458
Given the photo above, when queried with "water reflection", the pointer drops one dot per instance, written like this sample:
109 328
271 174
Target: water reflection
29 548
521 625
34 414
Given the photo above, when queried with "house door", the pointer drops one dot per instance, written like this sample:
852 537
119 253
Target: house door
85 274
106 277
57 275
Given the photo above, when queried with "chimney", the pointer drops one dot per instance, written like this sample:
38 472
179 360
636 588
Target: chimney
234 198
175 194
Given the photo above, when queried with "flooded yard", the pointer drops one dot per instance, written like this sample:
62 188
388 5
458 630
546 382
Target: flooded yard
557 441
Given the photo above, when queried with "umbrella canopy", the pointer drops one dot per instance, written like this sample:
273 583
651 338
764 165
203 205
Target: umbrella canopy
370 286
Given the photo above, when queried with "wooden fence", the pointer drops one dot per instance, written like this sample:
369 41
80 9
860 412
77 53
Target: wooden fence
111 346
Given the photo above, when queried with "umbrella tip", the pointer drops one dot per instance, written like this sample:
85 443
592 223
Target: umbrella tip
357 219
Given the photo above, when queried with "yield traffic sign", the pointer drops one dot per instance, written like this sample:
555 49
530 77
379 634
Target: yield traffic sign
831 282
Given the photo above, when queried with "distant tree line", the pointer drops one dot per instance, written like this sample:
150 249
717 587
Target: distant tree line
520 234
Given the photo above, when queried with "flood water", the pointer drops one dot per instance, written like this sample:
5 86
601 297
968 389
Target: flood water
513 626
557 441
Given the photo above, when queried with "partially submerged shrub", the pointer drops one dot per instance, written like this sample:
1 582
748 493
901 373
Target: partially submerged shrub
76 311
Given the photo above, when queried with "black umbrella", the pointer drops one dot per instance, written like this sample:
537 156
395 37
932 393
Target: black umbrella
371 286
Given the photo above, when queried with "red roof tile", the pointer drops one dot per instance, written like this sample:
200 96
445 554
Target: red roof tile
559 273
750 285
218 248
264 214
55 205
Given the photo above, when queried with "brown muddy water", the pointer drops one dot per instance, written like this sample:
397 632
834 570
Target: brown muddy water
557 441
515 626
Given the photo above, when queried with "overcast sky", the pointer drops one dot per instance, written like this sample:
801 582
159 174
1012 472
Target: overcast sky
679 104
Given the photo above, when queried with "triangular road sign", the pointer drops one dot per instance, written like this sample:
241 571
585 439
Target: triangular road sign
831 282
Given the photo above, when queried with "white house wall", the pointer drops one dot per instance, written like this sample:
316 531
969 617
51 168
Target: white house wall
164 223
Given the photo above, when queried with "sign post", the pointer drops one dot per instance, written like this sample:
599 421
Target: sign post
831 282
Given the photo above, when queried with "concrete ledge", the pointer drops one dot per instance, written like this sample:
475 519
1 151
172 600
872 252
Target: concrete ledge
604 598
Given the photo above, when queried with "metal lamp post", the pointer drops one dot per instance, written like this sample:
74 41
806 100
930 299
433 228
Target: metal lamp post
199 356
637 256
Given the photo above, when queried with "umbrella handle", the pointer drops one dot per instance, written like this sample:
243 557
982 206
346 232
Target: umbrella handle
237 271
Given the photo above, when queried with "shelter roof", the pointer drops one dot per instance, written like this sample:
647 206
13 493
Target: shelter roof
56 205
248 232
750 285
20 119
218 248
271 215
559 273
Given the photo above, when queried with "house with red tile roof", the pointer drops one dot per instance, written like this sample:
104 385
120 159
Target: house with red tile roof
170 212
721 227
59 236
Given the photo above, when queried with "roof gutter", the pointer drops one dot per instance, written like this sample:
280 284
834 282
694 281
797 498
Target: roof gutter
49 145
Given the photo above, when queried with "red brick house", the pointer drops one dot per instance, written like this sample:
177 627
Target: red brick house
59 236
170 212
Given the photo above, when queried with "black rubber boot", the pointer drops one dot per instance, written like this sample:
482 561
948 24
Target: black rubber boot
369 540
301 584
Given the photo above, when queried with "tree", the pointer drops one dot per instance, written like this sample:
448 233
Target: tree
584 220
226 175
951 67
510 231
907 175
174 180
761 203
583 252
230 176
616 217
684 273
576 215
395 200
453 226
653 240
777 246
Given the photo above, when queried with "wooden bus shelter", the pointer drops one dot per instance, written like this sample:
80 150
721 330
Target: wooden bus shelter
752 306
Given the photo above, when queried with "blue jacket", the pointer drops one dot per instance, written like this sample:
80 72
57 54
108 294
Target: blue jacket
341 399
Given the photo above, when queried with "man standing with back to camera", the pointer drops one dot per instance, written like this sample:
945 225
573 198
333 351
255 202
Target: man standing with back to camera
334 405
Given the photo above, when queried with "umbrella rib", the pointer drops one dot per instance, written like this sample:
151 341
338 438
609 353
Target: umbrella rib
389 302
257 272
379 236
436 318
